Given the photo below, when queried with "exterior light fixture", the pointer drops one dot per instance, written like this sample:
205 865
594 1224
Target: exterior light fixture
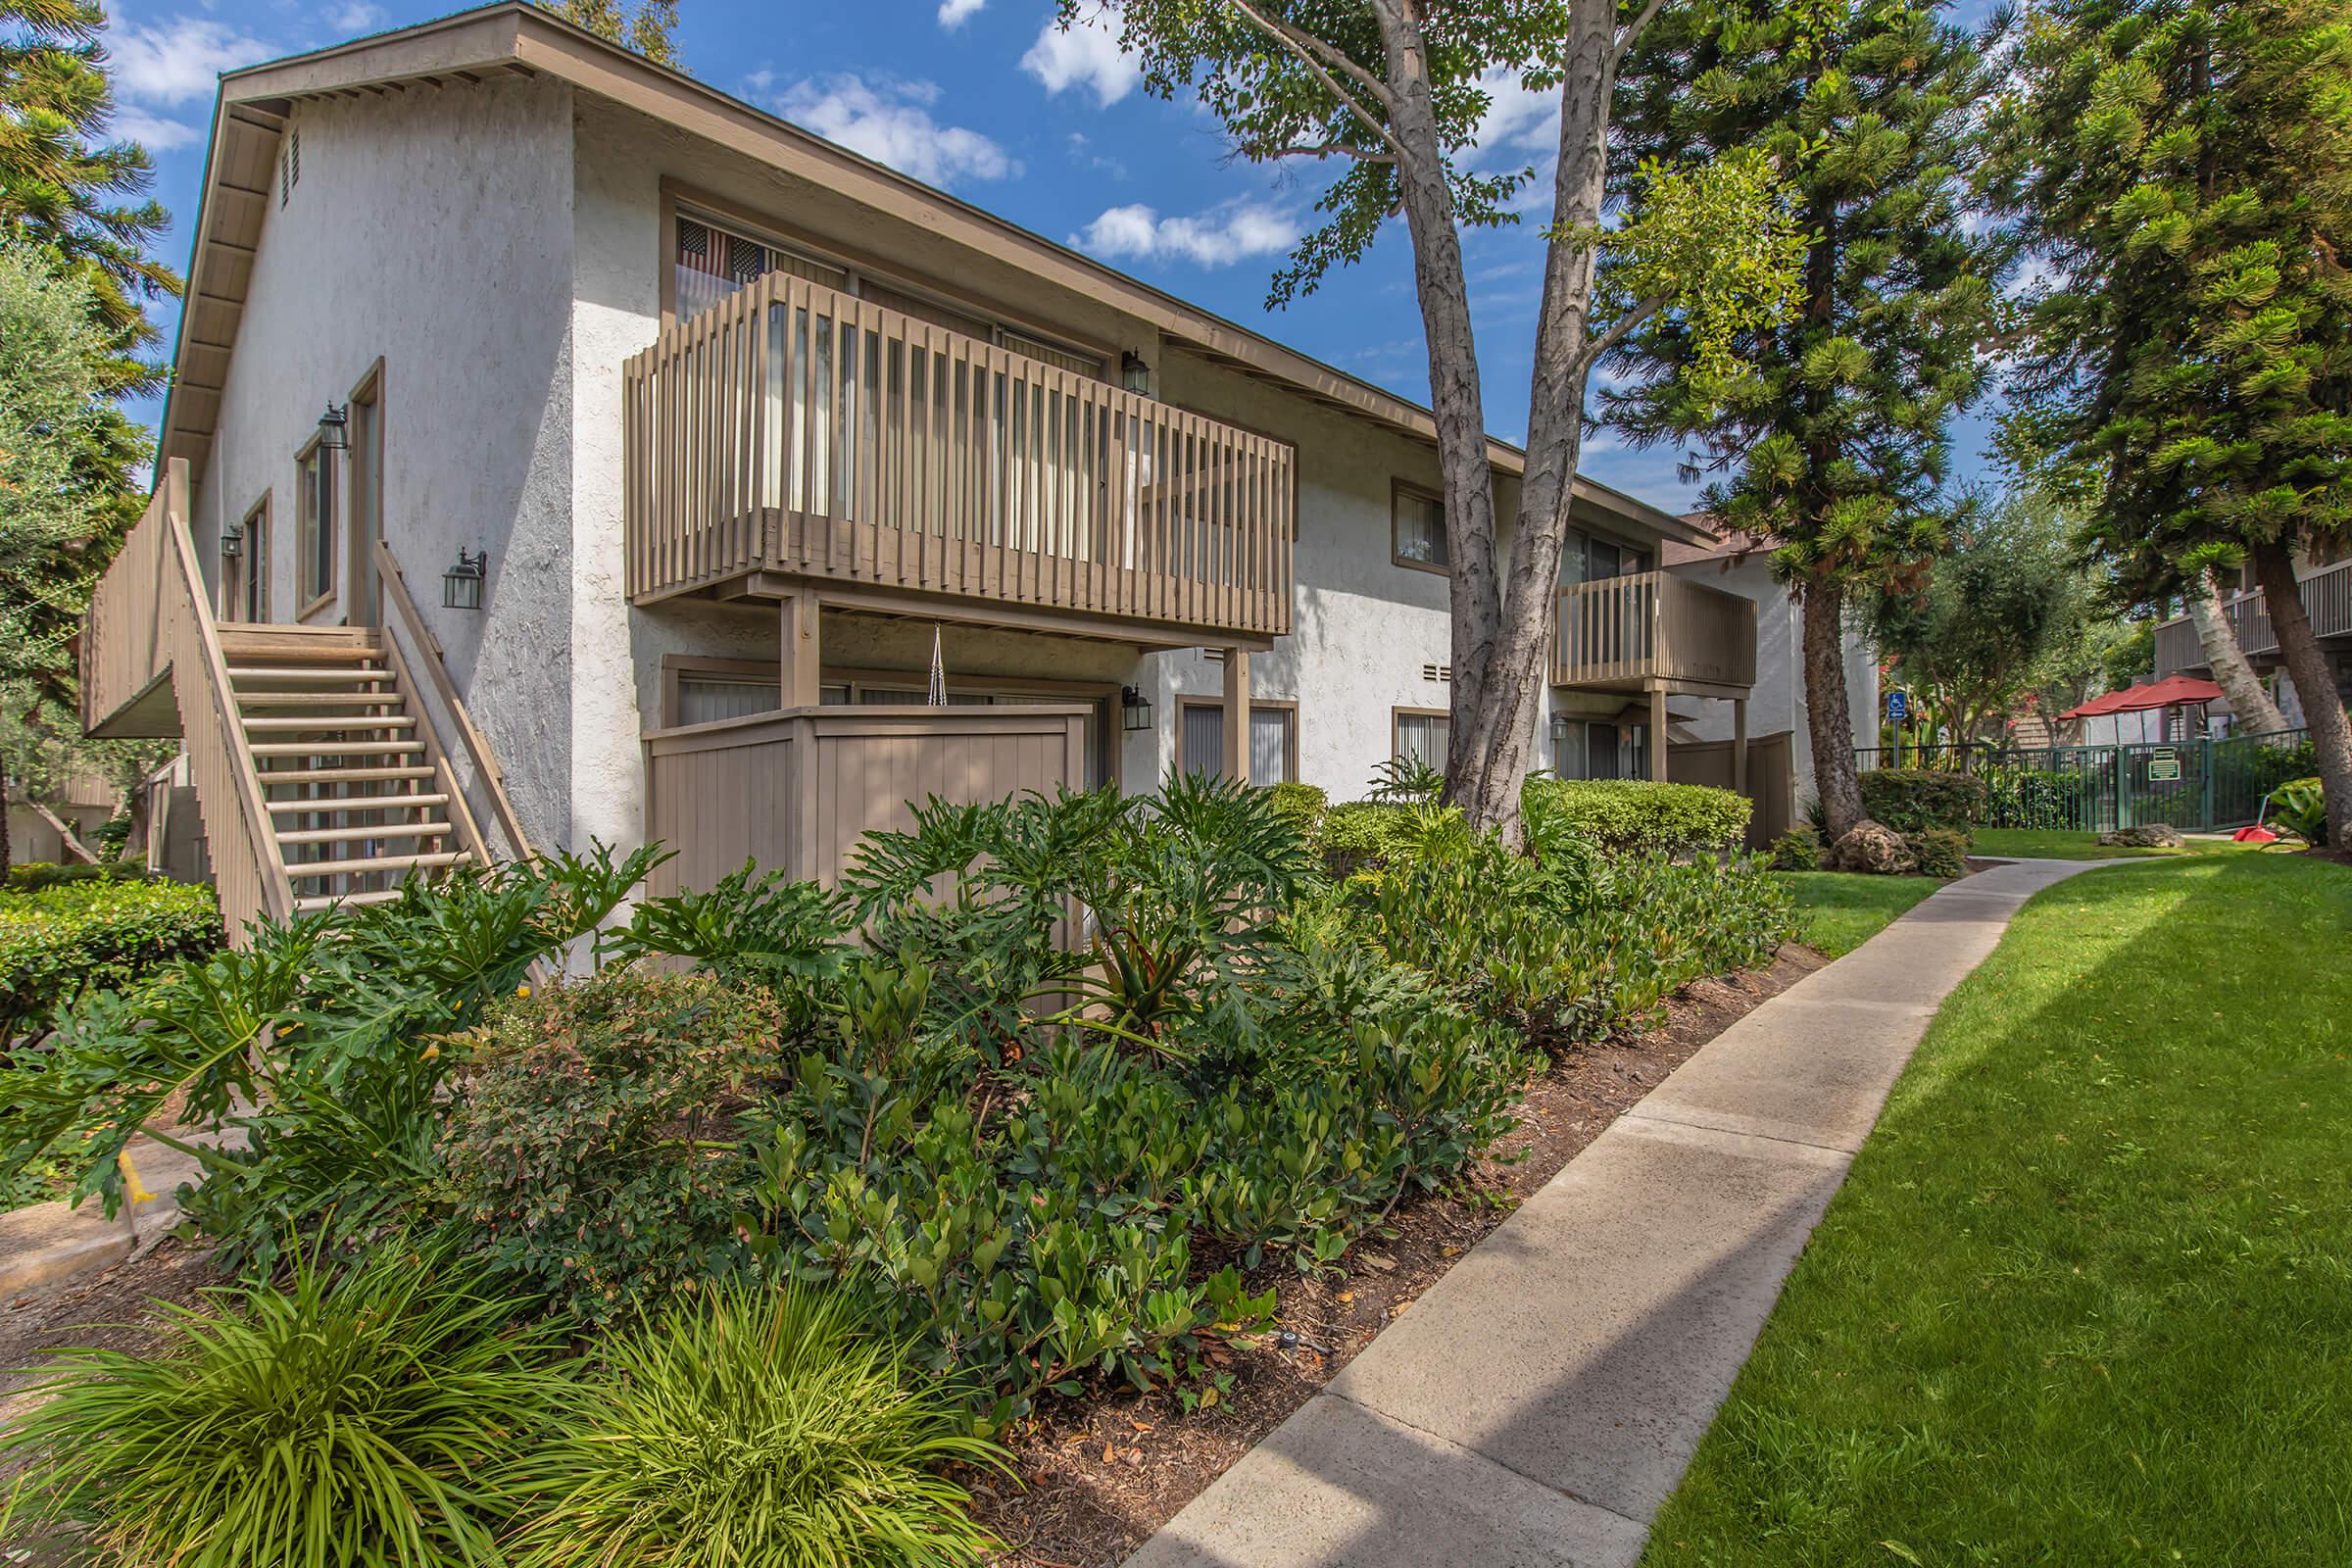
1134 713
462 584
334 428
1134 374
233 545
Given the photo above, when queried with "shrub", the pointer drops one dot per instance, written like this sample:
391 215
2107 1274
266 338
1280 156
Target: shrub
340 1420
583 1145
1912 799
2035 797
1300 804
757 1428
1942 852
1798 850
80 934
1624 816
2300 806
1359 835
31 876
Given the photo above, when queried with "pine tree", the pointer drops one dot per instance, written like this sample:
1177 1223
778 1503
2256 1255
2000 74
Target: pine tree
2184 172
1837 447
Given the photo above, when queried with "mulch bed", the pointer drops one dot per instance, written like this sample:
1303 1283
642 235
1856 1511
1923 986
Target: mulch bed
1099 1474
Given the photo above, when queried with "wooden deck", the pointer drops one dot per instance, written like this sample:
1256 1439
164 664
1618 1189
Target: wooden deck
794 431
1653 630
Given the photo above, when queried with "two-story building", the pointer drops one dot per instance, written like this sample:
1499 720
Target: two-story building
667 453
2325 583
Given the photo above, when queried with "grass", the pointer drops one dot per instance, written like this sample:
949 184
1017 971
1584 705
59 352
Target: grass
2051 844
2084 1295
1838 911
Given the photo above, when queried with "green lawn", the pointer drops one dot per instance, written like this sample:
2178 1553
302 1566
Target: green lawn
1840 911
2087 1295
2025 843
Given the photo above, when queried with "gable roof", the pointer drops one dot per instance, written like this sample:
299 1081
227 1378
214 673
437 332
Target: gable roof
512 38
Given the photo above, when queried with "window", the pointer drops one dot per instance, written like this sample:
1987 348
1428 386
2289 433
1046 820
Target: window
1422 736
1586 558
1599 749
315 524
1417 530
253 564
1273 740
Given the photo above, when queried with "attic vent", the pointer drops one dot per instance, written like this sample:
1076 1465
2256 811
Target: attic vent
289 167
1438 672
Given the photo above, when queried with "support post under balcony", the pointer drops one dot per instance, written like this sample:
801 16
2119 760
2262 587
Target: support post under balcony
802 653
1657 731
1739 745
1237 715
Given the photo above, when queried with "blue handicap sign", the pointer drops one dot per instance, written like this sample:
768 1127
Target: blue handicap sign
1898 707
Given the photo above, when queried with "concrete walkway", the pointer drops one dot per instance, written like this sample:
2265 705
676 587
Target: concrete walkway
1537 1405
47 1244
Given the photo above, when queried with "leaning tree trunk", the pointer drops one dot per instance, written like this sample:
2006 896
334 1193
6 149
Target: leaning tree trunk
2315 683
1828 722
2256 713
7 849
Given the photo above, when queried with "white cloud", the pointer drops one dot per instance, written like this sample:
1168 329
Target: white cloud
890 122
954 13
155 132
358 17
1518 124
1217 237
179 61
1086 54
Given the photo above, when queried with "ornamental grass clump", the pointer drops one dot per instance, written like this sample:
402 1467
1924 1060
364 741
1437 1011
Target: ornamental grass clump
761 1429
347 1419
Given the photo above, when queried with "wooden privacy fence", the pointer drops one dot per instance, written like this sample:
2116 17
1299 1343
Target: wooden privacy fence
150 621
796 789
1770 779
1654 625
795 429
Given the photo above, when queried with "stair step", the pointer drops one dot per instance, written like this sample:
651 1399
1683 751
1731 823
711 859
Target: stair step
305 674
337 775
336 721
358 803
380 830
304 871
320 699
336 747
310 906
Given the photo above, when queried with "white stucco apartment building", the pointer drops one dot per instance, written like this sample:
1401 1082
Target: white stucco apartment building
720 422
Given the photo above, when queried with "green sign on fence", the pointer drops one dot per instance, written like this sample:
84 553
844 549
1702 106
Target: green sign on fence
2164 765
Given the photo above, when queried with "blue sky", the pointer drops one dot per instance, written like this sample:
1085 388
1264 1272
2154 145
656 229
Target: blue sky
986 99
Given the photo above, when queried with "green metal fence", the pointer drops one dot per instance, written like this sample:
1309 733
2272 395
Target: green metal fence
2197 786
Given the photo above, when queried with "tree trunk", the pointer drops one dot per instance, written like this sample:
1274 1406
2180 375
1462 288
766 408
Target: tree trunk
1828 723
1494 740
7 849
2315 683
2256 713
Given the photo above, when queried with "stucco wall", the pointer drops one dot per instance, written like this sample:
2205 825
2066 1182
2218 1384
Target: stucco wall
430 230
1778 700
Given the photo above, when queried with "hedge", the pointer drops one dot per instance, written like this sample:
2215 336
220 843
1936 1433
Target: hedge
1362 833
30 876
1912 799
94 933
1300 805
1625 815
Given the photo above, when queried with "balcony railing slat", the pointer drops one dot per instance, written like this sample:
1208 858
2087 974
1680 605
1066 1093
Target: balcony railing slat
1654 625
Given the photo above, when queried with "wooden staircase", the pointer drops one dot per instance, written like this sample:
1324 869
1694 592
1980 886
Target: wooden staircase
359 798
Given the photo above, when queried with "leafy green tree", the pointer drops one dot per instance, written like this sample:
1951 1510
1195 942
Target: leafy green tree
1837 448
649 30
2182 170
2002 614
1391 95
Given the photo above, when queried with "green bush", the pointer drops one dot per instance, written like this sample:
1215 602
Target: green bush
758 1427
30 876
1300 805
342 1419
2300 806
1798 850
1624 816
1942 852
93 934
1912 799
1359 834
585 1144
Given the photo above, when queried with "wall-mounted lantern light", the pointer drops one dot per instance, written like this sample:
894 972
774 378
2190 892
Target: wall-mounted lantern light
233 545
334 428
1134 713
1134 374
462 584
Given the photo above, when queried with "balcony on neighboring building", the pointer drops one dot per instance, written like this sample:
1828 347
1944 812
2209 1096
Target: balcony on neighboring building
2327 598
792 432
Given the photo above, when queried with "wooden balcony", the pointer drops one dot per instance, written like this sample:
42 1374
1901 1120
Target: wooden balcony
796 433
2327 598
1655 631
